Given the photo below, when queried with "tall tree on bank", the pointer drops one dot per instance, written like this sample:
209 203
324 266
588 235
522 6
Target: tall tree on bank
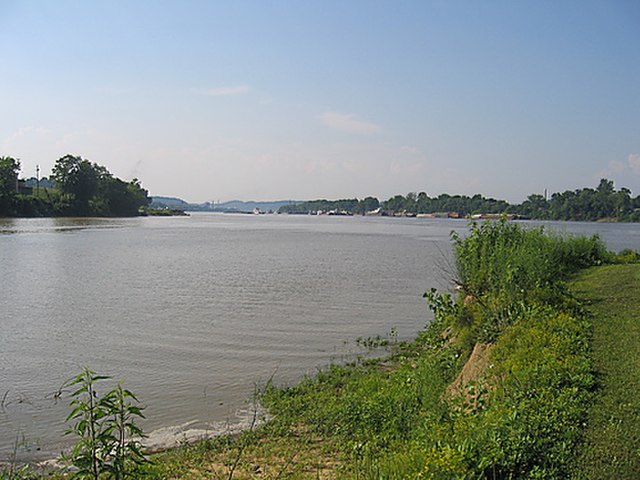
123 199
78 180
89 189
367 205
9 168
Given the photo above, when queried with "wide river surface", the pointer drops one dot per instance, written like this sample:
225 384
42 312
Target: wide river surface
193 313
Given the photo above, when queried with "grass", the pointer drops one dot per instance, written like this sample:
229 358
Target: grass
612 446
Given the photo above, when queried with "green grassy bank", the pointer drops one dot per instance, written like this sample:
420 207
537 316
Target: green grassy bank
530 371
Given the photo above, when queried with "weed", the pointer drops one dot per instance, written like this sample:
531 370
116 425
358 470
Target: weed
106 427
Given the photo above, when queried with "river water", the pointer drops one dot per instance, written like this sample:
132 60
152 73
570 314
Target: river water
193 313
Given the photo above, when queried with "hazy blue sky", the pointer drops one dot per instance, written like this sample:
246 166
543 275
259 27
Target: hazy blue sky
265 100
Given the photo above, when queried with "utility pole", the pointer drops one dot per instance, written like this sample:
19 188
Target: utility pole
37 180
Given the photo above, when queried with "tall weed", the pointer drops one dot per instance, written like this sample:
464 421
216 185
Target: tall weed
106 428
506 268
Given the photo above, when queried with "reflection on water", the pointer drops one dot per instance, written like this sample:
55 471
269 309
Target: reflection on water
7 225
59 224
192 312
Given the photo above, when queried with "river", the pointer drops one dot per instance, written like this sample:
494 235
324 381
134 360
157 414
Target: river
193 313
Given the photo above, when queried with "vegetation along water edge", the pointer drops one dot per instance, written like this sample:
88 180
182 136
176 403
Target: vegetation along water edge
529 371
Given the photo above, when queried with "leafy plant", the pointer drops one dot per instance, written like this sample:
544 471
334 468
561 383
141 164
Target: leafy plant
106 427
123 431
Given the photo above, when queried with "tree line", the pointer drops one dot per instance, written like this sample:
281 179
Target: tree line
586 204
81 188
347 206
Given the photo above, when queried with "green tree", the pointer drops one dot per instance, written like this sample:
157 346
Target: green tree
410 202
606 187
89 189
395 204
535 206
122 199
622 202
78 179
9 168
605 199
368 204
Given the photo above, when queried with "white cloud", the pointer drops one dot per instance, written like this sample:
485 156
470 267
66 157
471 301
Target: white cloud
617 166
409 150
348 122
634 162
24 132
226 91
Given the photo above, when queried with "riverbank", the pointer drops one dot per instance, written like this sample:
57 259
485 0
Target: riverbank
500 385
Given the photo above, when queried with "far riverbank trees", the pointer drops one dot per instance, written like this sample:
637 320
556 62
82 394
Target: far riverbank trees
82 188
586 204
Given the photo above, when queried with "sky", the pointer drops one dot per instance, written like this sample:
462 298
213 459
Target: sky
305 99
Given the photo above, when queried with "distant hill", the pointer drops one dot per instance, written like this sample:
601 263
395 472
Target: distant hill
240 206
231 206
168 202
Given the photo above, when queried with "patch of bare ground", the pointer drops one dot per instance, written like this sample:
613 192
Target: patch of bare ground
307 456
472 373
